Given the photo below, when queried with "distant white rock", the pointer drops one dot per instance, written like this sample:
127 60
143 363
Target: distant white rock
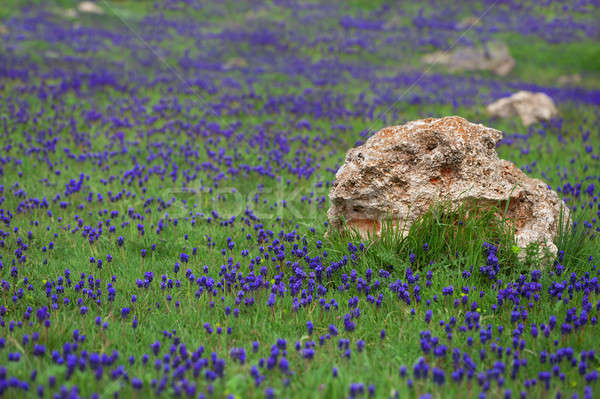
569 80
70 13
51 54
469 22
530 107
494 56
235 63
89 7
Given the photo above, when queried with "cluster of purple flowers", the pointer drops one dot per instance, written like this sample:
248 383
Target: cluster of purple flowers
162 218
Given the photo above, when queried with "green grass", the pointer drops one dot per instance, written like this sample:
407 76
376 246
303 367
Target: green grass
540 62
454 238
447 236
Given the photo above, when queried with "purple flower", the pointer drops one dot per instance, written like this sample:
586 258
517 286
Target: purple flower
439 376
136 383
284 365
125 312
39 350
309 327
403 371
428 314
333 330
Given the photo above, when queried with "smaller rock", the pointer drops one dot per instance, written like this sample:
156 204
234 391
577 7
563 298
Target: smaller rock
51 54
259 13
469 22
3 30
569 80
70 13
394 22
495 57
234 63
89 7
530 107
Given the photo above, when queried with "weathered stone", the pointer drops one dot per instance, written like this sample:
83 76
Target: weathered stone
495 57
89 7
401 171
530 107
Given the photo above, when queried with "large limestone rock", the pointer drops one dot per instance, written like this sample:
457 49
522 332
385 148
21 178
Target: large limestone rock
530 107
401 171
495 57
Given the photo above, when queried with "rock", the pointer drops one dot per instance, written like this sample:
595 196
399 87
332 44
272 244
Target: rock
51 54
569 80
258 14
235 63
89 7
530 107
468 22
395 22
401 171
69 13
495 57
3 30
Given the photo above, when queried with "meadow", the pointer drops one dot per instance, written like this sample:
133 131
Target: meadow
164 178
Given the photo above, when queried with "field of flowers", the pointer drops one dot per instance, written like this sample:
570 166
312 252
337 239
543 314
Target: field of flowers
164 178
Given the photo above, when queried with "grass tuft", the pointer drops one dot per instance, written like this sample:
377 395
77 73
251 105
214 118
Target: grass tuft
575 244
445 235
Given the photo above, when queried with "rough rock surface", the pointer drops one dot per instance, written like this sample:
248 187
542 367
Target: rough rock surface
530 107
402 170
495 57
